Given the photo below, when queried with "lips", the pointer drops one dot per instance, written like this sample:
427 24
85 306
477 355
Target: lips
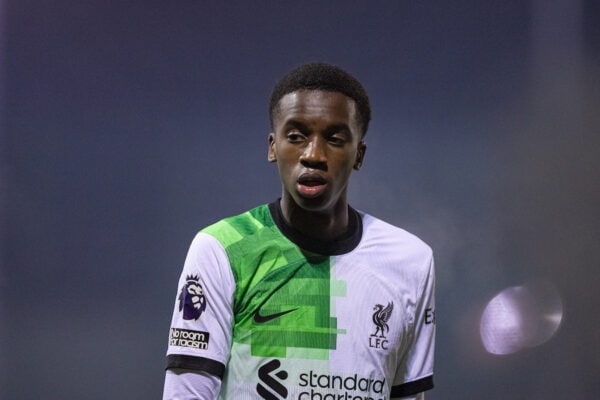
311 185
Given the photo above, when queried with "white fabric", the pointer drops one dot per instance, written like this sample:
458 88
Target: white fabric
187 385
207 260
389 266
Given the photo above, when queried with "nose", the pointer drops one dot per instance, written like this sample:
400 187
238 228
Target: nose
314 154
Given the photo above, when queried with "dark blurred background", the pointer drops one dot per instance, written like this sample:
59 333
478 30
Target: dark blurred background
128 126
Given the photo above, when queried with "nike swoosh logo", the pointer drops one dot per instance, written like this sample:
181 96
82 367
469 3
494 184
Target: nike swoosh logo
261 319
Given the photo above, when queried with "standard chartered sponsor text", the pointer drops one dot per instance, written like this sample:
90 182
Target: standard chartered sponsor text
351 387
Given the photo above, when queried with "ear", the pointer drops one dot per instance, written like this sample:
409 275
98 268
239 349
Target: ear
360 155
271 157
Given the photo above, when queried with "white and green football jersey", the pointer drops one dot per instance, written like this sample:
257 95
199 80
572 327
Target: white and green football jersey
277 315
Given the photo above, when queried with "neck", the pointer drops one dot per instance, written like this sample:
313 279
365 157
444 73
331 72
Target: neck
327 225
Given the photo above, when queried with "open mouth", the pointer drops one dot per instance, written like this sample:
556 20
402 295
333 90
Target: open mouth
311 185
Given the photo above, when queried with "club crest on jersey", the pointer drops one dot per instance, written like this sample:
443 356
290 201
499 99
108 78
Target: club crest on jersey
381 316
192 300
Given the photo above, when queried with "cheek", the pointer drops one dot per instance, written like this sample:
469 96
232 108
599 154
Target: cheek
346 164
286 159
285 169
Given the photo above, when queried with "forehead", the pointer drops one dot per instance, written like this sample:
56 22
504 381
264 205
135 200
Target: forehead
325 106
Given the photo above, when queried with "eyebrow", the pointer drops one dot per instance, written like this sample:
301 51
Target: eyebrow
297 124
341 127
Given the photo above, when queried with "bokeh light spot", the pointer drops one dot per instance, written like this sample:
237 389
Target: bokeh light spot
521 316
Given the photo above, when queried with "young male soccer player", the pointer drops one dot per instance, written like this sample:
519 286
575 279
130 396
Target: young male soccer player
306 298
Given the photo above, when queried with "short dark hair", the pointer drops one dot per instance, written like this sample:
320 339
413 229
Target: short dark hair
327 77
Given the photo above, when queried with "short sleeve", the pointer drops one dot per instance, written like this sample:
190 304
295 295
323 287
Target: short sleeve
415 372
180 384
200 333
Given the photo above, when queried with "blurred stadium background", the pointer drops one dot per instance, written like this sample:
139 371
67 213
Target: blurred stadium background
128 126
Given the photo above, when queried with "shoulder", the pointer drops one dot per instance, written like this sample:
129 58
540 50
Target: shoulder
235 228
383 236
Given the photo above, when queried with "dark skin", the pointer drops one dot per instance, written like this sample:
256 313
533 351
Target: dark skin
317 142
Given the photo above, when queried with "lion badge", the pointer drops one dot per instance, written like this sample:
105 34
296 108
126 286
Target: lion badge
192 300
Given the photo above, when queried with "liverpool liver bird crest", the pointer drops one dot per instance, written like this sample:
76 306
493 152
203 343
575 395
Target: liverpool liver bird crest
380 318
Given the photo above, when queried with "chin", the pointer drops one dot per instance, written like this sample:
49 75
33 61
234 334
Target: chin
314 204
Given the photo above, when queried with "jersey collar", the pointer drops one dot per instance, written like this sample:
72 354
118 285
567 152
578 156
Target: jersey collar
344 244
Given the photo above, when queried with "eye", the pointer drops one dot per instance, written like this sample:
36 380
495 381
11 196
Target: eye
295 136
337 139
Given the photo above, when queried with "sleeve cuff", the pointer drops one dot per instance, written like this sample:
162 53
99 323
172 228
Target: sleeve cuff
414 387
196 363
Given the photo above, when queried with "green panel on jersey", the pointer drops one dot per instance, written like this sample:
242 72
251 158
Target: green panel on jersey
226 233
283 299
